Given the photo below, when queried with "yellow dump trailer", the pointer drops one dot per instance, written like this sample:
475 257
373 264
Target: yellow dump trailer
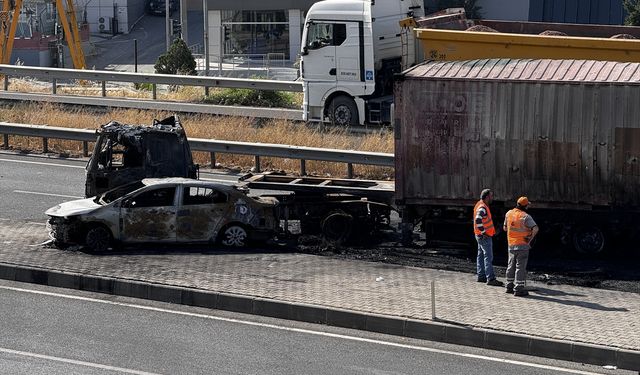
466 45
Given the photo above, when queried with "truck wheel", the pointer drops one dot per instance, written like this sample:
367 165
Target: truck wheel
98 238
343 111
336 227
234 235
588 240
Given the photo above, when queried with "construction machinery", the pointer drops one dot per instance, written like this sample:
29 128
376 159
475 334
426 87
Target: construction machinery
10 17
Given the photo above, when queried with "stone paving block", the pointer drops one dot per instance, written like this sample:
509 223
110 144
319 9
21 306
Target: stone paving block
7 272
274 309
165 293
130 288
550 348
199 298
346 319
464 336
31 275
96 284
309 314
508 342
241 304
386 325
629 360
63 280
424 330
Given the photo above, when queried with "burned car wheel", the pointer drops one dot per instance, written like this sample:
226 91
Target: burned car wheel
234 236
98 238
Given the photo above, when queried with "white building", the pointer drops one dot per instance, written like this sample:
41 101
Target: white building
111 16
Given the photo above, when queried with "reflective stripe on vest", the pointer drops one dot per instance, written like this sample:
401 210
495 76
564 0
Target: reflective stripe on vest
487 222
516 230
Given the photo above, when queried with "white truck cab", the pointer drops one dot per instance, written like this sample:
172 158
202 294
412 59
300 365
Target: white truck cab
350 51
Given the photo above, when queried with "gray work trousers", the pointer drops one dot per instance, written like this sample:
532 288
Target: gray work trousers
517 268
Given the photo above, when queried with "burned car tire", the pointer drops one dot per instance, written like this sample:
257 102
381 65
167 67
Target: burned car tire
234 235
98 238
336 227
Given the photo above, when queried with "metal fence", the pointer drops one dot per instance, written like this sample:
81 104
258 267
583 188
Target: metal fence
213 147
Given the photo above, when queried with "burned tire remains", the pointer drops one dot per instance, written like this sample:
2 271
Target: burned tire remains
336 227
234 235
98 238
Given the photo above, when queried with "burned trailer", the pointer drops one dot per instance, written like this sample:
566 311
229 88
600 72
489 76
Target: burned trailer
565 133
338 210
126 153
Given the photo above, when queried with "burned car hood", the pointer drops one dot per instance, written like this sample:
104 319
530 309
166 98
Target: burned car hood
77 207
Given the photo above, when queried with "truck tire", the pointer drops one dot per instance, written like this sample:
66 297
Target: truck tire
589 240
343 111
336 227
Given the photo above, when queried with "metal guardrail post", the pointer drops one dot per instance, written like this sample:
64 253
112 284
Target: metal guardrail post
5 145
349 170
303 167
54 86
6 82
45 145
433 300
257 163
104 89
212 155
154 91
85 148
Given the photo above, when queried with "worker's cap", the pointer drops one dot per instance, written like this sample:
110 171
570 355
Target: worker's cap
523 201
485 193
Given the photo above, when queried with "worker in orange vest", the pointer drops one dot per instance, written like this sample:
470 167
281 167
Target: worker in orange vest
521 229
484 231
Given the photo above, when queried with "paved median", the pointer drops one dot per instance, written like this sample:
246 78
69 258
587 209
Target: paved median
572 323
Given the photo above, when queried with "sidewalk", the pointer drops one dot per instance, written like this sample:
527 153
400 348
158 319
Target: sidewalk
593 316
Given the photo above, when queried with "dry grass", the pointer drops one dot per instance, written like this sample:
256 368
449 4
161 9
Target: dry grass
208 127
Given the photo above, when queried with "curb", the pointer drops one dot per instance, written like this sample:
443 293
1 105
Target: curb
411 328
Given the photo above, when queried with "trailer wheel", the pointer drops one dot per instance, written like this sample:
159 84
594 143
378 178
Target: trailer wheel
588 240
336 227
343 111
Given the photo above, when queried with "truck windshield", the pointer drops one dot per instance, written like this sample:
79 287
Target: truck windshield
118 192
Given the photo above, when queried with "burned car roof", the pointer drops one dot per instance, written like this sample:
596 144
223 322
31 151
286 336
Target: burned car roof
169 125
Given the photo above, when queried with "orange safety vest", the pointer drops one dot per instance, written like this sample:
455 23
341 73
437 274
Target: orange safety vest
517 232
487 222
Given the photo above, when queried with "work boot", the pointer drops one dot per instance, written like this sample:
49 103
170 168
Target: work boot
510 288
482 279
495 282
521 293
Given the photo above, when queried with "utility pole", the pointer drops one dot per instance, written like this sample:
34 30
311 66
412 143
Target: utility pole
183 21
205 9
167 23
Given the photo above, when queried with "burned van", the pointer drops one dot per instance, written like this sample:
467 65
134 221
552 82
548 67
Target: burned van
126 153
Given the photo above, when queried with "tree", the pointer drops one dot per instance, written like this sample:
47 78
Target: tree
177 60
471 9
632 7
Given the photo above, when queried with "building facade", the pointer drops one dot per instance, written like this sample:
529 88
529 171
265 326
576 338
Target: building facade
603 12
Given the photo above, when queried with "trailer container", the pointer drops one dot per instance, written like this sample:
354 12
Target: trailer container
565 133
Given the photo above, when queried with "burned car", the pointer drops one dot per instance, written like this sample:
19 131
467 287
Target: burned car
127 153
166 210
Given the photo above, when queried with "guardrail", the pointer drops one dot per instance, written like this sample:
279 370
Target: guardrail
257 150
55 74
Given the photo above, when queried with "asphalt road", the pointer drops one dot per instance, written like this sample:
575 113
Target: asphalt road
53 331
30 184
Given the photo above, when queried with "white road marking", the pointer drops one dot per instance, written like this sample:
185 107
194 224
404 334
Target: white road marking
36 223
306 331
47 194
75 362
43 163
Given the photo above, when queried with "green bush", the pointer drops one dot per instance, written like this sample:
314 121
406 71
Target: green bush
632 8
144 86
177 60
253 98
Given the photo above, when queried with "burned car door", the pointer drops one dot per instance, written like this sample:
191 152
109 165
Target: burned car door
203 209
149 216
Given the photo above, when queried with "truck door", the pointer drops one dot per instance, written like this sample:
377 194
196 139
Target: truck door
348 52
319 62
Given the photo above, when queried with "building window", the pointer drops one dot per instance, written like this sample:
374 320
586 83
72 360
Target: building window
259 34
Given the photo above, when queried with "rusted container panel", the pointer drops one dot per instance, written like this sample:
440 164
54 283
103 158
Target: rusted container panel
559 131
